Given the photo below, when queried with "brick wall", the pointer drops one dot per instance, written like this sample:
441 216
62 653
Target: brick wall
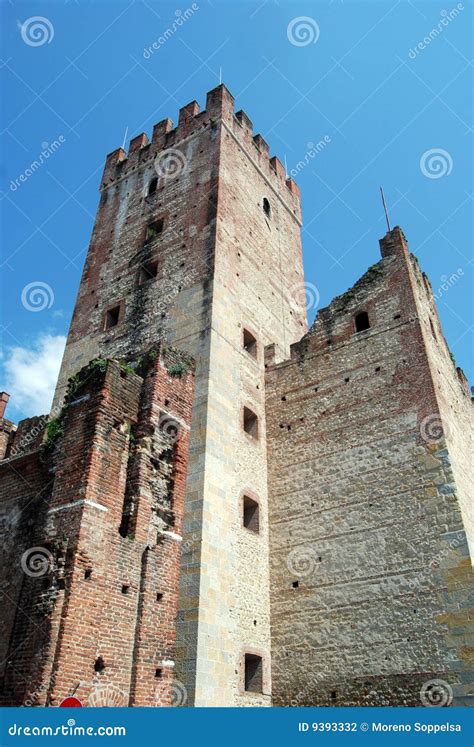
369 560
92 604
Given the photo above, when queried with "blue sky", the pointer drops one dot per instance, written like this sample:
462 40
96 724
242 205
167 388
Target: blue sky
349 74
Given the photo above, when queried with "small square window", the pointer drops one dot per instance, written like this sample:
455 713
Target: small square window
251 514
362 321
253 673
153 230
250 343
112 317
148 271
250 423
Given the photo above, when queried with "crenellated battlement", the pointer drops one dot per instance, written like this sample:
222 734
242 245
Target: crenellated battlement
219 108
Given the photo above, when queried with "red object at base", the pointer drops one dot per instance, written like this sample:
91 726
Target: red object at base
71 702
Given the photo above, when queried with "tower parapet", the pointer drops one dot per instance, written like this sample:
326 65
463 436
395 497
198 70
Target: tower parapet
219 107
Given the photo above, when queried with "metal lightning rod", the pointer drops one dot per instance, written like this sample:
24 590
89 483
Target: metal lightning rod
385 208
124 138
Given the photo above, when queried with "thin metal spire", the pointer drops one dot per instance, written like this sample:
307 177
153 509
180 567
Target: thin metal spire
385 208
124 138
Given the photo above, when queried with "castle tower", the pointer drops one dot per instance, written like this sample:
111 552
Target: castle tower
197 244
369 434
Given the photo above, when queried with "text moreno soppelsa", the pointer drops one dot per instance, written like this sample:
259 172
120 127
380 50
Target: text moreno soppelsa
417 727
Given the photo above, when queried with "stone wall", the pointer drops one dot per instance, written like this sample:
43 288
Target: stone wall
369 560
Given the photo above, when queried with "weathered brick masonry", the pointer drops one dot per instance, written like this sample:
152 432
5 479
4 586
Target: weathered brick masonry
371 584
94 520
226 243
282 516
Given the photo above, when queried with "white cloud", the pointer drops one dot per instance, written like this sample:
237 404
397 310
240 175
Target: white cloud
31 374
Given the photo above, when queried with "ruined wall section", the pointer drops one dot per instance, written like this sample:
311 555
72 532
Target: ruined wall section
368 553
97 618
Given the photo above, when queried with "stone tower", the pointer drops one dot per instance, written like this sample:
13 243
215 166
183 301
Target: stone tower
197 243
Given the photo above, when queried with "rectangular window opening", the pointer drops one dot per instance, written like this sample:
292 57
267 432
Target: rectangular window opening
112 317
250 423
253 673
153 230
251 514
250 343
148 271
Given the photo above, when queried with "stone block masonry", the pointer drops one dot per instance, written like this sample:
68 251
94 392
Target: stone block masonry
94 521
370 573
